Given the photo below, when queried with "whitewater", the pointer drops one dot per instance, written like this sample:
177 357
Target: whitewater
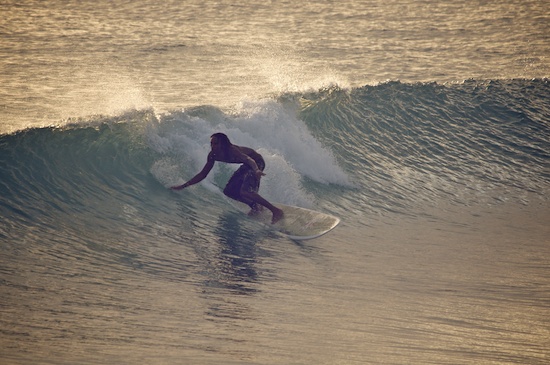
424 126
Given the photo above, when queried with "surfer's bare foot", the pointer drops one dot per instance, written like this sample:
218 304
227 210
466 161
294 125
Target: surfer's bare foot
277 215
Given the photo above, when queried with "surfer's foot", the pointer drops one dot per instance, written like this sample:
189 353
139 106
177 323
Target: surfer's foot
277 215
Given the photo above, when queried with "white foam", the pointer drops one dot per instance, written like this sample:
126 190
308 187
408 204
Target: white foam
267 124
288 147
167 172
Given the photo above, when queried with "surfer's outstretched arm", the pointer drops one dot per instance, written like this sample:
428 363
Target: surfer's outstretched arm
198 177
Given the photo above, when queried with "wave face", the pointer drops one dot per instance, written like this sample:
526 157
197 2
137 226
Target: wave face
464 142
392 147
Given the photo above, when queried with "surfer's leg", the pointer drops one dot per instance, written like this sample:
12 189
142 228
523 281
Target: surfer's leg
233 187
258 199
249 191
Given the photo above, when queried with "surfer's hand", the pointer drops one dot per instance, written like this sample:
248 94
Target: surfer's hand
180 187
259 174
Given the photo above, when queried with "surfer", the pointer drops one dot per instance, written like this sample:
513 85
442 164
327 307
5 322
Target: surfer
245 182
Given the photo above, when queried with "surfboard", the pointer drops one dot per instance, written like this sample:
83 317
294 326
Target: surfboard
299 223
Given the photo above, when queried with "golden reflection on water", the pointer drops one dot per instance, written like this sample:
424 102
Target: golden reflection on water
434 292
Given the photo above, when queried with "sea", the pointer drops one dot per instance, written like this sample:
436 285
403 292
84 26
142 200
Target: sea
423 125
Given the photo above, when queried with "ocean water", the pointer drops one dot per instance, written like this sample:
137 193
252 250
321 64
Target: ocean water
423 125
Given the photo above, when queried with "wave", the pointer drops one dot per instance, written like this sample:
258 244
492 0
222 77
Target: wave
425 139
384 148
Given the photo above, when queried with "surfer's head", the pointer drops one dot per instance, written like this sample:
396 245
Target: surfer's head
220 139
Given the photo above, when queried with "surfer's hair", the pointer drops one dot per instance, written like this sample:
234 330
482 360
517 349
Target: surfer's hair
223 139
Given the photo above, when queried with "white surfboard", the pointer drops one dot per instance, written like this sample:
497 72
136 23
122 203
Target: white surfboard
300 223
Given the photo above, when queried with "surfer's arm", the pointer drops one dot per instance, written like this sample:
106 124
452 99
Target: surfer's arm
249 161
198 177
254 166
